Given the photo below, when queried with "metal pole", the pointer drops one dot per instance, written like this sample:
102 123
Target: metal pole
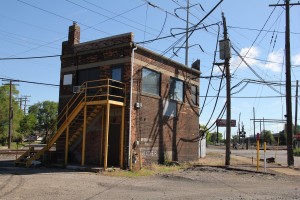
228 114
296 108
239 129
257 154
260 126
217 134
265 145
254 121
265 161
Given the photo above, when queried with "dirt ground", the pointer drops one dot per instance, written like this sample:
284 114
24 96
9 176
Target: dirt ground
206 180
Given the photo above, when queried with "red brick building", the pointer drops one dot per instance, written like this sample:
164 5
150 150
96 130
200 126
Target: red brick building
143 108
161 107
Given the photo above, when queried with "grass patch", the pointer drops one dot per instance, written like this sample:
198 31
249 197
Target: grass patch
297 152
14 145
146 171
128 174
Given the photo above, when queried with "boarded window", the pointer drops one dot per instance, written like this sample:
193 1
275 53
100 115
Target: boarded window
176 89
67 79
150 82
170 108
194 95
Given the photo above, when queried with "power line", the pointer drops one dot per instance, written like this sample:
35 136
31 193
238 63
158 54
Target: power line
254 72
60 16
173 35
257 38
31 82
33 57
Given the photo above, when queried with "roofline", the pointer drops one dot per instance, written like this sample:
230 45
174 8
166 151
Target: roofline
168 59
106 38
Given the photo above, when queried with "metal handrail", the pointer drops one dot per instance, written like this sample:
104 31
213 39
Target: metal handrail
83 96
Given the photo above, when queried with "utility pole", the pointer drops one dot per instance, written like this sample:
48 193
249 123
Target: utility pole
296 108
226 57
289 128
187 33
25 103
20 101
10 115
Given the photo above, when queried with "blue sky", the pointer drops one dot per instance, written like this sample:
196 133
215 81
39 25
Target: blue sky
37 28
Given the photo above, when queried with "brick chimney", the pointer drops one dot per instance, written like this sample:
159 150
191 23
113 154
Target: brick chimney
74 34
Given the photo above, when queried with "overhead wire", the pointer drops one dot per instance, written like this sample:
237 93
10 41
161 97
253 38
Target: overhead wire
108 18
121 14
217 98
214 60
31 82
146 20
254 72
32 57
257 36
88 27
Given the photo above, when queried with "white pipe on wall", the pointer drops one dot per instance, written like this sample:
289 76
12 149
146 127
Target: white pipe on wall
130 107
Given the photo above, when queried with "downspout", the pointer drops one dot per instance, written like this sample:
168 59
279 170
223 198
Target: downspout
130 106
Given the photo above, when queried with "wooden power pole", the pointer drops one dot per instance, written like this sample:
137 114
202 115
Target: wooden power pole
10 115
289 128
226 56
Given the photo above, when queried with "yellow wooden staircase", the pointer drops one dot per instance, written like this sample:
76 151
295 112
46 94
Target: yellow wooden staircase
78 113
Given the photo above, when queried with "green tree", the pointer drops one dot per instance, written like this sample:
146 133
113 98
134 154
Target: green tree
213 137
267 136
282 137
46 114
28 124
205 133
4 113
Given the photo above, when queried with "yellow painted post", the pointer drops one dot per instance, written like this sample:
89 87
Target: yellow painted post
265 163
258 157
122 138
83 136
107 90
106 136
67 146
102 137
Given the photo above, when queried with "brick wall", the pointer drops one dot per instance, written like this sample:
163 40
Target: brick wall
164 138
155 137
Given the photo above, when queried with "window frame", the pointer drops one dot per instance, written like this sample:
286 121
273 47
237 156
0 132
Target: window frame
183 89
158 82
196 95
116 67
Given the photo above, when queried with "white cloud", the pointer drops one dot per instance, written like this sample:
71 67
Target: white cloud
274 61
252 58
249 55
296 59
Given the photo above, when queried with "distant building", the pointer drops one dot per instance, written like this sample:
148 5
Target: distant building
138 106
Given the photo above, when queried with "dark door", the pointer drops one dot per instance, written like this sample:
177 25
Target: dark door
114 145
